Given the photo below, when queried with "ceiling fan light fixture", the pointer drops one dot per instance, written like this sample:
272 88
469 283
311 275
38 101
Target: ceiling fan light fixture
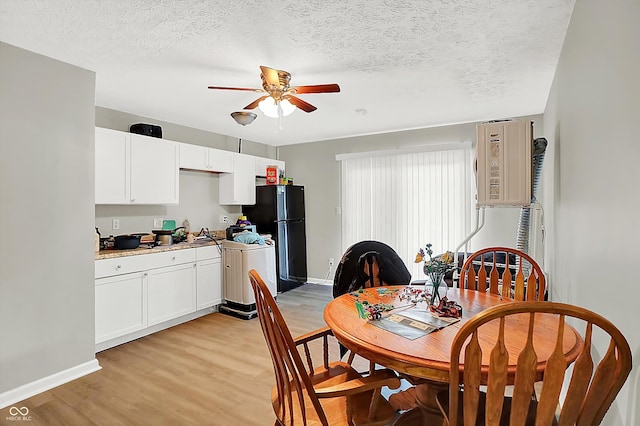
269 107
243 117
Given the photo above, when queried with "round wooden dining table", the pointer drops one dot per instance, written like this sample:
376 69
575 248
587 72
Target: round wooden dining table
425 359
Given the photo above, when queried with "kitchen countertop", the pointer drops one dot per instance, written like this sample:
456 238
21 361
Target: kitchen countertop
111 254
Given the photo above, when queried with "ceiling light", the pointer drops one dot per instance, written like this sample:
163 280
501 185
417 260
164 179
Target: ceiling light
271 108
243 117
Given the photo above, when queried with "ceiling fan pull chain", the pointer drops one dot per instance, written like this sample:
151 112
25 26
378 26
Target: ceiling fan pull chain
280 114
279 129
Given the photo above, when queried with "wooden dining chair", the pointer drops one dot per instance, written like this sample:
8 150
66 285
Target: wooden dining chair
589 391
491 268
368 264
330 394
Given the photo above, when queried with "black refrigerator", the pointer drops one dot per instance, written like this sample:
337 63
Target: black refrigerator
279 211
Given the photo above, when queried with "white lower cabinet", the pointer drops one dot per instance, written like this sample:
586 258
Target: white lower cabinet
208 277
121 305
172 293
134 295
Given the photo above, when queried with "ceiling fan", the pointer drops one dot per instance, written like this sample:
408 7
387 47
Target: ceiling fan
279 97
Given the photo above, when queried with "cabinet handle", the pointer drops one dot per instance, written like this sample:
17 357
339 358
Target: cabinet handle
173 259
194 265
133 200
118 267
145 274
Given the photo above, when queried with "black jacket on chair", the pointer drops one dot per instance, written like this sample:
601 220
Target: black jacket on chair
353 271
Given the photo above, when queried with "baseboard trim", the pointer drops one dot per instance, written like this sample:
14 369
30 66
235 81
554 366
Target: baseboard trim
320 281
44 384
108 344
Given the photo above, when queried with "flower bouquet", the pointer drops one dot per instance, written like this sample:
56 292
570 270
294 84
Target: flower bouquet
435 268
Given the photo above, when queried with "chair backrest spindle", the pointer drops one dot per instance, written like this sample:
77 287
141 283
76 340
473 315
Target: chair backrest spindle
506 271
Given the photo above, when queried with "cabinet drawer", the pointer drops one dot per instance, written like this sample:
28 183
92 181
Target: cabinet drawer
209 252
121 265
173 257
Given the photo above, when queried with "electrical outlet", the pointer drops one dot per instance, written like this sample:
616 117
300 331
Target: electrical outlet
115 224
157 222
331 261
224 218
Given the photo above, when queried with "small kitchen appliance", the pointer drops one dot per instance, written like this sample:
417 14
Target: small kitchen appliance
235 229
164 237
237 260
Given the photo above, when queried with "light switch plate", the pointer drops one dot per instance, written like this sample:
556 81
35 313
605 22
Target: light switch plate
157 222
115 224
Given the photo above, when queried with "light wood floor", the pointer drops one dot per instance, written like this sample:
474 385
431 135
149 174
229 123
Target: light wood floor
215 370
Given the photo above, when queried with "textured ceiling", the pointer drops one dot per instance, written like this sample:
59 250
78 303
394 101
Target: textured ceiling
401 64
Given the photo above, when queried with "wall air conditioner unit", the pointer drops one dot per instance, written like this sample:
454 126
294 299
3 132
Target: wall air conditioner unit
504 163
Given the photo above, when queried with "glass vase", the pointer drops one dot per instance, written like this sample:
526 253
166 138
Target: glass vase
438 289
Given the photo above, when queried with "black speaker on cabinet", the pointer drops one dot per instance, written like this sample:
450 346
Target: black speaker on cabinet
146 129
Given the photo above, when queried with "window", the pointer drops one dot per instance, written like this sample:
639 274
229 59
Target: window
406 200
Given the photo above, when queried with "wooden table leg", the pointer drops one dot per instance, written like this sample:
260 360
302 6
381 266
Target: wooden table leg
427 412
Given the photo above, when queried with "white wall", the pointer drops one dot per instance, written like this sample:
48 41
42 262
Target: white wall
592 195
314 165
46 193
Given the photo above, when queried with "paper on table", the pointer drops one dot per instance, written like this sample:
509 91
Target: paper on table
413 323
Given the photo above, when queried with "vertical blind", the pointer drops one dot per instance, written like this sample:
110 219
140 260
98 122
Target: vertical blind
408 200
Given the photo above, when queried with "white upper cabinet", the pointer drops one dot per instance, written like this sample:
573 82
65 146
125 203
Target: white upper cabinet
239 187
135 169
112 166
220 160
197 157
262 163
193 157
154 170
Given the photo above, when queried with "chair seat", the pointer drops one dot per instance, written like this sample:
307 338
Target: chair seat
336 408
442 399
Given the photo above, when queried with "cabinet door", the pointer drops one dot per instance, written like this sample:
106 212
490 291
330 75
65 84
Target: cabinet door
280 165
171 292
209 283
112 167
239 187
154 170
220 160
262 163
194 157
121 305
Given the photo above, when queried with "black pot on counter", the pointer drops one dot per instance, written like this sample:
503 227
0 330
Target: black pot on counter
126 242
